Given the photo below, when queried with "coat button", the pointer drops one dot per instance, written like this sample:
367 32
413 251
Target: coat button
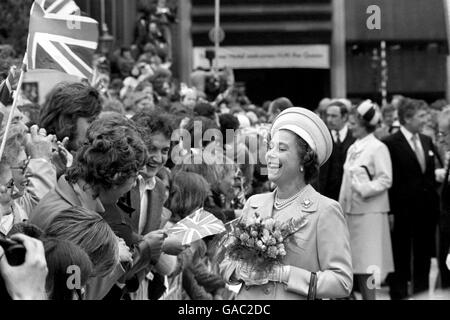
266 291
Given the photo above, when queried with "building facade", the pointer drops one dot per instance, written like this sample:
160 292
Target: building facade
414 31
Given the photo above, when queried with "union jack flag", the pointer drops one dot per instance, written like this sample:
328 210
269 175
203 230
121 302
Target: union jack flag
196 226
60 38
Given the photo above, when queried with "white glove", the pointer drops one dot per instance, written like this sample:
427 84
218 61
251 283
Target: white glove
280 274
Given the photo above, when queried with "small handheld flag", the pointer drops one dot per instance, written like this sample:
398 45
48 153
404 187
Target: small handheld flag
196 226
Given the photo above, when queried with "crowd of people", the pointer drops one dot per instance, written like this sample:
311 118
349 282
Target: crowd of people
92 181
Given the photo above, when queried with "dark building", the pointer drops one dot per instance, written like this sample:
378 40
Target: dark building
414 31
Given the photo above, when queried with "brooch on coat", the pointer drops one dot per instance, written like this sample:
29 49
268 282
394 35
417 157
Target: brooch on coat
306 203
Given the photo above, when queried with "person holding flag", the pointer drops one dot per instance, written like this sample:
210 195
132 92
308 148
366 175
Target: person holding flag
59 38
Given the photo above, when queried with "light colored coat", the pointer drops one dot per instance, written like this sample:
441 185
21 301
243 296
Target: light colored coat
358 194
42 179
321 246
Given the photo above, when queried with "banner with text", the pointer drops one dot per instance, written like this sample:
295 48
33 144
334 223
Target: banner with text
261 57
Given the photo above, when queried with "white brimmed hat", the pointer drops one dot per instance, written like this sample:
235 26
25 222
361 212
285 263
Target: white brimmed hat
308 126
369 112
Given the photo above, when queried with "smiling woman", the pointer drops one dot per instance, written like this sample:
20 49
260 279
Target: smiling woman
300 154
318 263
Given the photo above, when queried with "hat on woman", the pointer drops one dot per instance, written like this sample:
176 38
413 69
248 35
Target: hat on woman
369 112
308 126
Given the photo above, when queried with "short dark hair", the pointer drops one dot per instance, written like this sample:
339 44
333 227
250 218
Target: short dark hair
228 122
113 146
281 104
343 108
205 109
407 108
65 104
150 123
308 159
189 191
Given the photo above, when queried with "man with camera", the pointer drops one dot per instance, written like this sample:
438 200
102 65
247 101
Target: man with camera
27 280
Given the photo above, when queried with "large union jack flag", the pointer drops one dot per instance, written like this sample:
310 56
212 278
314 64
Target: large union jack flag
196 226
60 38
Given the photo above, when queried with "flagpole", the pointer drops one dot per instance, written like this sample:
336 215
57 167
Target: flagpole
447 24
11 113
216 34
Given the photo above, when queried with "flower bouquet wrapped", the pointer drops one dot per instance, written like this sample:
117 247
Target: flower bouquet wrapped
261 243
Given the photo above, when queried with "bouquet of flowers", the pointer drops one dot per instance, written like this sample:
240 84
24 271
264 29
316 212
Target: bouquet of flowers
261 242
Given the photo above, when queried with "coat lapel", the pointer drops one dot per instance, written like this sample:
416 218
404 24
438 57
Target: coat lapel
135 199
65 190
426 150
407 148
154 208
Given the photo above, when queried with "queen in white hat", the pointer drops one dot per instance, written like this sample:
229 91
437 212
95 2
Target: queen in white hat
317 264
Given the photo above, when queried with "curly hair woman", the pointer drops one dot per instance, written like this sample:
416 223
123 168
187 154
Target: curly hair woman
105 168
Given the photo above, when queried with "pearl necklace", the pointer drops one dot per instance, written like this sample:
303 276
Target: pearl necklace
281 204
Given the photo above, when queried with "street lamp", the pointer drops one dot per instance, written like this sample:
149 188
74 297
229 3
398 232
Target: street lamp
106 40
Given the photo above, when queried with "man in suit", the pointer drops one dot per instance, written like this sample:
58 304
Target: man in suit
443 177
147 197
330 176
414 200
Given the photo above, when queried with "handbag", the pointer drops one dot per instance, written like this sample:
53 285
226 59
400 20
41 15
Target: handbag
312 290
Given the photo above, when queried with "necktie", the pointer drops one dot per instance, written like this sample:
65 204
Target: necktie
419 154
338 138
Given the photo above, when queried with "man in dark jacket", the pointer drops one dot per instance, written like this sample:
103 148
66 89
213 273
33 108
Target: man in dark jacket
148 196
413 199
330 176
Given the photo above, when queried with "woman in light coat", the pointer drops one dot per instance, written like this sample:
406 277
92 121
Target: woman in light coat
365 201
318 259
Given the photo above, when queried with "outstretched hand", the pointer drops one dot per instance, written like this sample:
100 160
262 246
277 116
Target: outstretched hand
125 254
173 246
39 145
61 157
155 240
